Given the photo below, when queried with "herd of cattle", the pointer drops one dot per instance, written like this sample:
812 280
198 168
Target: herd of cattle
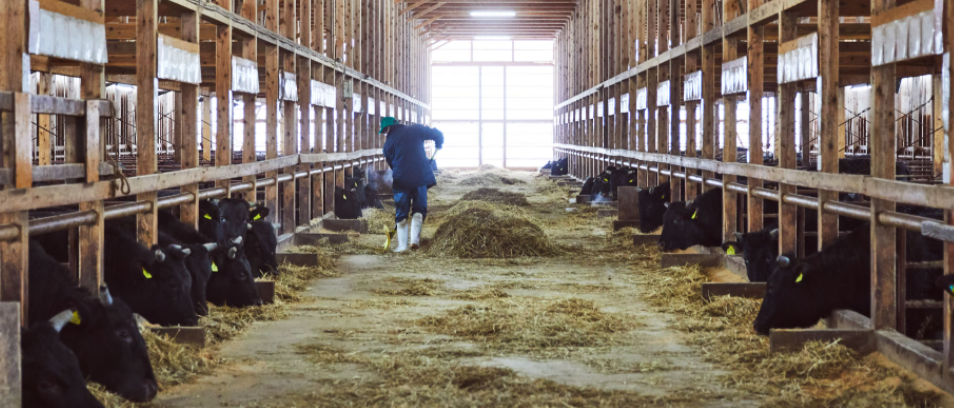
800 290
78 335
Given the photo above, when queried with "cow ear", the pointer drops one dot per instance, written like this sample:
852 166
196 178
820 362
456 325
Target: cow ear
774 233
259 213
666 204
739 236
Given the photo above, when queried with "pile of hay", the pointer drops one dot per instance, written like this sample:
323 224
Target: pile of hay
476 229
532 326
493 195
379 220
490 179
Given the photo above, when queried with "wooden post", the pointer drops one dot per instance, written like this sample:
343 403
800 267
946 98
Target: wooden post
948 361
206 128
146 93
44 149
882 146
223 96
755 77
189 213
785 123
304 104
831 94
290 148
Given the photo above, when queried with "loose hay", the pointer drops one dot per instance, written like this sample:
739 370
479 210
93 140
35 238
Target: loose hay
490 179
493 195
533 326
821 374
475 229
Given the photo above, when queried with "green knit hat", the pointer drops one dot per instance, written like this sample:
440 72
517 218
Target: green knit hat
385 122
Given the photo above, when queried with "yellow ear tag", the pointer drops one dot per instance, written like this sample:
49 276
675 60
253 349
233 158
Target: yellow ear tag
76 318
146 274
730 251
257 217
207 216
662 196
695 214
344 196
799 278
215 268
606 180
630 180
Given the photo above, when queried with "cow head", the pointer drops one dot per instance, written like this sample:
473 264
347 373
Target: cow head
105 338
232 283
652 206
199 265
347 206
790 300
759 251
261 248
681 228
51 373
163 287
223 220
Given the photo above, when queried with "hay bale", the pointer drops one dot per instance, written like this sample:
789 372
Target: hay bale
493 195
476 229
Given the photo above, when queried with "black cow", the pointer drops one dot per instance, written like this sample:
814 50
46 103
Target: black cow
623 176
698 222
759 250
104 336
199 266
802 291
587 188
547 166
652 206
560 167
357 184
601 185
231 282
347 206
51 373
262 244
224 220
154 282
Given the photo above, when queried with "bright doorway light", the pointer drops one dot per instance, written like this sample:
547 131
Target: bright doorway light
493 13
492 37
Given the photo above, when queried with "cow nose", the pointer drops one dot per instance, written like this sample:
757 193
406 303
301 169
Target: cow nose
150 389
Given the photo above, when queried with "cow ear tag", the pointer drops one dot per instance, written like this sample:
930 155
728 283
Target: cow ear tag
146 274
630 180
76 318
799 278
215 268
695 214
257 217
344 196
207 216
951 289
662 196
730 251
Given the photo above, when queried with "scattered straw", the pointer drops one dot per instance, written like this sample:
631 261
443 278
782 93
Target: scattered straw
493 195
822 374
533 326
490 179
475 229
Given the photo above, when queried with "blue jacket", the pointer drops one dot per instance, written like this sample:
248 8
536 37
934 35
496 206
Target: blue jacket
404 151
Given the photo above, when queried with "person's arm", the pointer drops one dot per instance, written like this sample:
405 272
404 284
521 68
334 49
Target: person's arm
388 154
436 136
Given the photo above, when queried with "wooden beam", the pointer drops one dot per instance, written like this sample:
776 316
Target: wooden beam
146 94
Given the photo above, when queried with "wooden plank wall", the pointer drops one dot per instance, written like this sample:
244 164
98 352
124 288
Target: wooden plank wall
667 39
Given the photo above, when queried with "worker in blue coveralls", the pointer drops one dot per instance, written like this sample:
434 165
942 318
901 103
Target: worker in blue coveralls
404 151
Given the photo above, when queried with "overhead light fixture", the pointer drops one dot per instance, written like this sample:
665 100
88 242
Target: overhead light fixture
493 13
492 37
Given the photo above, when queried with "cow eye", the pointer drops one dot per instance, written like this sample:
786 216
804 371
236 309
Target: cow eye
124 335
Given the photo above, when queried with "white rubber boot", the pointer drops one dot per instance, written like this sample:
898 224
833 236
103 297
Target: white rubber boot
417 222
402 236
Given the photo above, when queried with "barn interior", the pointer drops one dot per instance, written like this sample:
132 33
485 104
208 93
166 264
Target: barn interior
175 180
